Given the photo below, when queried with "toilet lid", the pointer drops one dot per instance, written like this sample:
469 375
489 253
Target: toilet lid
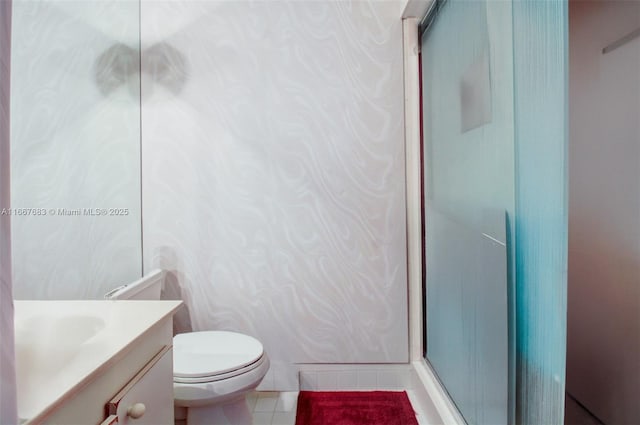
211 353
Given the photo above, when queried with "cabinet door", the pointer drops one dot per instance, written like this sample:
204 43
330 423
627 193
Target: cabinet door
148 398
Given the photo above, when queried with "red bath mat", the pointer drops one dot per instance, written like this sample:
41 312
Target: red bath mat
355 408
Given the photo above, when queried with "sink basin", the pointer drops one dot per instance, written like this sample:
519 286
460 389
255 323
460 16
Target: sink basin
65 332
46 344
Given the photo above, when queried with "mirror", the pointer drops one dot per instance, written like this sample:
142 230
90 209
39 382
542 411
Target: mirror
75 148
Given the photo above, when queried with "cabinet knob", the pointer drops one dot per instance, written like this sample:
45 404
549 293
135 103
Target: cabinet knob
136 411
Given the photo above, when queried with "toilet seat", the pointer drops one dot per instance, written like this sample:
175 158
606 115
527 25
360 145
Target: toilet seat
210 356
220 376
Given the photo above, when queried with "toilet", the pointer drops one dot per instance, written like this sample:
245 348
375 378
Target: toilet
212 370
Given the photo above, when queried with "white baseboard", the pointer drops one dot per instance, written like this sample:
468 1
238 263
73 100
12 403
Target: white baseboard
354 377
337 377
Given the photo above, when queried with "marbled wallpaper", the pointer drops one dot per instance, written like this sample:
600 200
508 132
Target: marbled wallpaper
8 406
75 145
273 172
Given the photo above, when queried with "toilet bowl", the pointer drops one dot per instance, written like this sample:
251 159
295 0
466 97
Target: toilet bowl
212 370
212 373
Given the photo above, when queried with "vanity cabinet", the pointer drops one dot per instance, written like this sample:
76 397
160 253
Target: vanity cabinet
134 387
147 399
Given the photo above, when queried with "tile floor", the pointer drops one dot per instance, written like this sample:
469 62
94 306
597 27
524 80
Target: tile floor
273 408
279 408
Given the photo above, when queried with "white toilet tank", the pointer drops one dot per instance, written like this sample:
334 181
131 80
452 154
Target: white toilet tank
146 288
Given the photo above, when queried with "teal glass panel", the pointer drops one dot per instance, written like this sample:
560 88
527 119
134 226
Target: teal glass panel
467 72
540 76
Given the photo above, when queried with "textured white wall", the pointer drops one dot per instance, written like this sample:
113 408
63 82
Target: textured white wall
7 364
75 143
603 328
273 172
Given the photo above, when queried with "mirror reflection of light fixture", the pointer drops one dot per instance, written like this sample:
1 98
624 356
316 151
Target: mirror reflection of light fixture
120 65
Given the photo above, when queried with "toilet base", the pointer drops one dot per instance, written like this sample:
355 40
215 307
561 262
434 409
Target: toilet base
232 412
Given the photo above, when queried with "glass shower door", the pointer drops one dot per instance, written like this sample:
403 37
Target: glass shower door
494 82
540 48
468 118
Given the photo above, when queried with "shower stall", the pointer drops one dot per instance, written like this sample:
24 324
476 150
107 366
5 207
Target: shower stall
494 104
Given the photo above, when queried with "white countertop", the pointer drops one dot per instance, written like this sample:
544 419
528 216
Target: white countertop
61 345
